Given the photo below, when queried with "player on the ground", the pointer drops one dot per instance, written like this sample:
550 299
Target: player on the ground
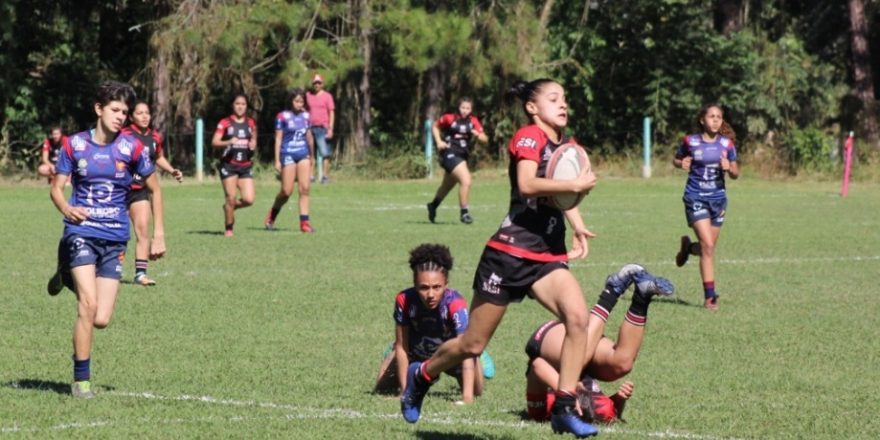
294 149
526 257
140 200
101 164
455 134
236 134
426 315
49 153
610 361
706 156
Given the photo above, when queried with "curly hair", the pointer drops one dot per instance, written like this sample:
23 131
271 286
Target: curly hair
430 258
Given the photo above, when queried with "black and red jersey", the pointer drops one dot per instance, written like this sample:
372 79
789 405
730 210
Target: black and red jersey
533 229
458 130
238 153
53 148
153 148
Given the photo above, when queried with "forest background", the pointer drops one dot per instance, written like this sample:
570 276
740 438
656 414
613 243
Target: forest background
794 77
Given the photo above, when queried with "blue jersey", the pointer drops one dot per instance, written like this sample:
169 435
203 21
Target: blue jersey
293 128
101 176
705 178
426 328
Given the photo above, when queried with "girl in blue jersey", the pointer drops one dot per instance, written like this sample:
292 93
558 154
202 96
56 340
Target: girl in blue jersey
101 164
141 202
236 134
706 156
294 148
526 257
426 315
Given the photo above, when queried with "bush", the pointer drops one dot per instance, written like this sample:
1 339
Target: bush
811 149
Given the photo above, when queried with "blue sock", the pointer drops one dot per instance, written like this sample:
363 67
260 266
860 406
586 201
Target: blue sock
304 218
81 369
709 289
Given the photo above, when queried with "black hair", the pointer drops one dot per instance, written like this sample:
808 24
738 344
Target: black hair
698 121
138 102
239 95
115 91
526 91
291 94
430 258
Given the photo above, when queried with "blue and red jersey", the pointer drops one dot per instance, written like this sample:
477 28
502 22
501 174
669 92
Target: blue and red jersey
153 148
101 176
238 153
428 328
293 127
706 178
533 228
52 148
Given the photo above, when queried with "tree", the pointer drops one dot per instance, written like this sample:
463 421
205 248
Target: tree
863 82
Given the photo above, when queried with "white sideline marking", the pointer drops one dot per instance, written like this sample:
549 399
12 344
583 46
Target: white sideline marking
305 413
759 260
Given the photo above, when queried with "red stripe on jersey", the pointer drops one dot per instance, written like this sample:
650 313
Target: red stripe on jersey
544 257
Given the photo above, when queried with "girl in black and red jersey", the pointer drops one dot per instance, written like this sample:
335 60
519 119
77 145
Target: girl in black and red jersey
49 153
237 135
526 257
140 200
455 134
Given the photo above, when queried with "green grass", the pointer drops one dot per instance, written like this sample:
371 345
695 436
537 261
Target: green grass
279 334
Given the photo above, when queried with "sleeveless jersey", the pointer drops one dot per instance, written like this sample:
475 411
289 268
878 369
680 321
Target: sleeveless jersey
53 149
426 328
533 228
237 153
457 131
705 178
293 127
101 176
152 141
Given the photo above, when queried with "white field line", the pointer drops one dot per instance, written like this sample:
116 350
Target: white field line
306 413
745 261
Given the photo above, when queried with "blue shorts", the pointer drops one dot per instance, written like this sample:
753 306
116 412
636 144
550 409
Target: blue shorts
320 135
294 157
696 208
107 256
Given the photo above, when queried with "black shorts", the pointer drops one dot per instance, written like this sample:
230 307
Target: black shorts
533 347
502 278
449 159
228 170
138 195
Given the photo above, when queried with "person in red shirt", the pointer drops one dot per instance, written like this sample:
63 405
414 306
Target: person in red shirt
49 154
140 200
322 111
236 134
455 134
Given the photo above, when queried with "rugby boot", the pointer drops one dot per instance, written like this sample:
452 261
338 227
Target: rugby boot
414 393
82 390
268 222
566 419
684 251
144 280
466 218
432 212
306 227
618 282
56 284
711 303
648 285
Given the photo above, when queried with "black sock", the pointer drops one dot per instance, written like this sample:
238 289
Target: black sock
695 248
607 301
565 402
436 202
638 310
464 211
229 226
273 214
140 267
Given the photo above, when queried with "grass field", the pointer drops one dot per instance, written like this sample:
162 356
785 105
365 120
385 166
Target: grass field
279 334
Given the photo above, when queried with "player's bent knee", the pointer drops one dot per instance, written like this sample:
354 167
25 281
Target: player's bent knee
101 323
246 202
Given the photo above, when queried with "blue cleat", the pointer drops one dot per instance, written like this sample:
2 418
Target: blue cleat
570 422
618 282
488 365
647 284
413 394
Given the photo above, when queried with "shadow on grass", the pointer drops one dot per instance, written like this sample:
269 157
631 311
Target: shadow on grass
44 385
437 435
212 232
522 414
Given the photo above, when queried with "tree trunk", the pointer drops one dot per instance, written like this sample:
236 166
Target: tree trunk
728 16
161 92
863 82
435 91
357 88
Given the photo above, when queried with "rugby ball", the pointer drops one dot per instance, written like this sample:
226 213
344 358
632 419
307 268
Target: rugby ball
567 162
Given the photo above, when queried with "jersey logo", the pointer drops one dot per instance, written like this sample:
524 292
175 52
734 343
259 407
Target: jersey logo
78 144
526 143
125 147
493 284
